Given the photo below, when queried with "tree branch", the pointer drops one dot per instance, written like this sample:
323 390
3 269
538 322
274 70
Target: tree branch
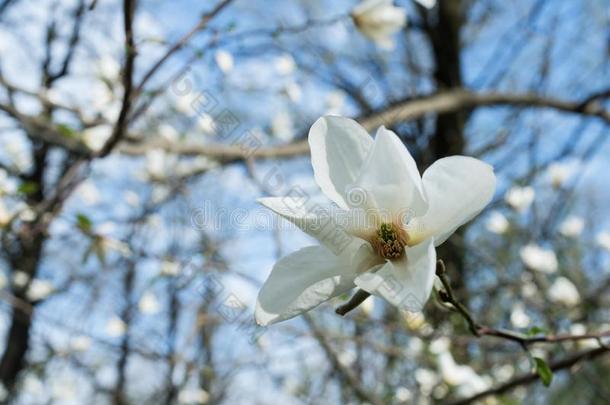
533 377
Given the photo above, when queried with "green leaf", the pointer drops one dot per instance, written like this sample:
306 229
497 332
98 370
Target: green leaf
83 222
28 188
544 371
66 131
535 330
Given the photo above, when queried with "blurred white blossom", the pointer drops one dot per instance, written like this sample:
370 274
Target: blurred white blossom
403 395
427 3
115 327
520 198
170 268
564 291
497 223
558 174
572 226
603 240
149 304
518 317
379 20
89 192
282 126
461 376
538 258
96 137
335 100
193 396
80 343
224 60
20 279
284 65
39 289
168 132
206 124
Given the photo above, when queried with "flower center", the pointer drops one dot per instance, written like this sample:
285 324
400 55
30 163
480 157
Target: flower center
390 241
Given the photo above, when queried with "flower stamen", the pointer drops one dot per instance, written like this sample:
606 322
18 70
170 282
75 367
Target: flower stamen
390 241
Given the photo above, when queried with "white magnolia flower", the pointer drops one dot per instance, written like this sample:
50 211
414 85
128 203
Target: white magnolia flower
168 132
149 304
282 126
80 343
427 3
603 240
159 164
170 268
403 395
206 124
391 221
461 376
558 174
520 198
89 192
224 60
39 289
20 278
379 20
108 67
193 396
285 65
538 258
563 291
335 100
115 327
426 379
518 317
572 227
95 137
497 223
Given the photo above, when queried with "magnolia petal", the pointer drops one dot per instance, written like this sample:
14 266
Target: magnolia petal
338 149
457 189
390 177
302 281
318 221
405 283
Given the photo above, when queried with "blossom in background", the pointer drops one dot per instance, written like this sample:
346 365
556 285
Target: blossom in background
285 65
538 258
149 304
224 60
335 100
563 291
558 174
193 396
497 223
20 279
95 137
518 317
520 198
39 289
115 327
80 343
427 3
393 220
379 20
282 126
572 226
603 240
